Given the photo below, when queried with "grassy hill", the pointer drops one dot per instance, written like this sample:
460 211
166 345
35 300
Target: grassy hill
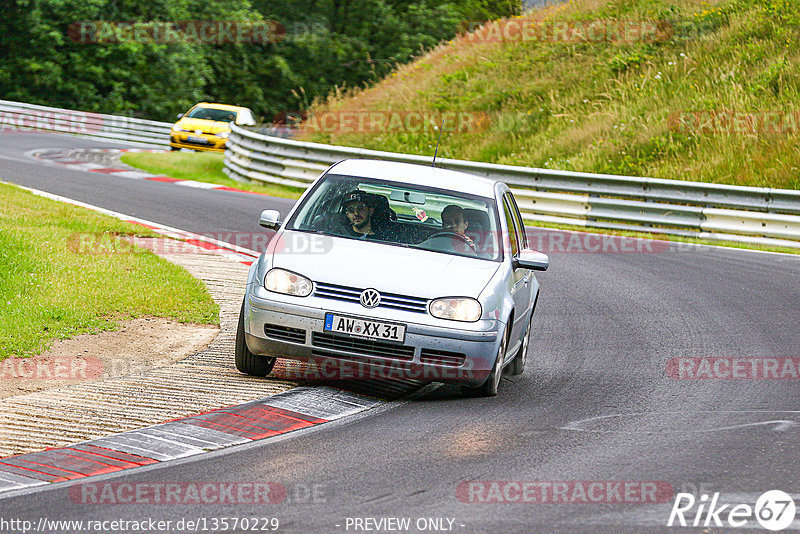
707 91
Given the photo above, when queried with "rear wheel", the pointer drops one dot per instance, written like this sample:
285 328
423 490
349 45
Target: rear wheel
246 361
490 387
174 148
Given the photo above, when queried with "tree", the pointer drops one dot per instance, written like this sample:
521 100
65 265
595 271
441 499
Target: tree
50 52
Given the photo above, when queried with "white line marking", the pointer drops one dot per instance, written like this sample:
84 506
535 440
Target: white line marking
89 166
198 185
782 424
131 174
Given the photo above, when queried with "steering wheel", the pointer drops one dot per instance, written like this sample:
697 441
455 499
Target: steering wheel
465 239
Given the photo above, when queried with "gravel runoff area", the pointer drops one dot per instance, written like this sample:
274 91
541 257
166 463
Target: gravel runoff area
160 382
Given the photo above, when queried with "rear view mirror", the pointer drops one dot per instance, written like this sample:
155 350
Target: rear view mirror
533 260
180 115
270 219
407 196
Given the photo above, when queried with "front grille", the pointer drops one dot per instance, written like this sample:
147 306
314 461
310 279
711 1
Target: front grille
369 347
285 333
442 357
348 357
388 300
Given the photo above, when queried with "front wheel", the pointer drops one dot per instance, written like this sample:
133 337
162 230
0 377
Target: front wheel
518 363
246 361
490 387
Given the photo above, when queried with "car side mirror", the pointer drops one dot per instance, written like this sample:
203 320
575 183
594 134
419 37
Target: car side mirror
270 219
533 260
180 115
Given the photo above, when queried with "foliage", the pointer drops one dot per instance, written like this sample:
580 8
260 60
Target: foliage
44 58
612 105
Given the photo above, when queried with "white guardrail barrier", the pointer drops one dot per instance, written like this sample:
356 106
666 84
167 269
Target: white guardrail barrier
17 116
676 207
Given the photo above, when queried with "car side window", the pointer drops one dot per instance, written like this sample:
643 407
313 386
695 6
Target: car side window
512 227
518 219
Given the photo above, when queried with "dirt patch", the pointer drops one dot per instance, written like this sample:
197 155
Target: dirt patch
138 345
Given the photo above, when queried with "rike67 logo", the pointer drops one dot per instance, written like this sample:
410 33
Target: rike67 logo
774 510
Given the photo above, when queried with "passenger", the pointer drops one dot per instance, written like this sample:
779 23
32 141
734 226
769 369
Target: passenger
453 220
360 223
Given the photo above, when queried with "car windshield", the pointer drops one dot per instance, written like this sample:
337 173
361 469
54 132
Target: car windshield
401 214
211 114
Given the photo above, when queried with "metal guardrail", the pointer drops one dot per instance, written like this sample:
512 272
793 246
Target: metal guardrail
675 207
18 116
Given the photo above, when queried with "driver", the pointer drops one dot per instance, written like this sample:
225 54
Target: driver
453 220
357 208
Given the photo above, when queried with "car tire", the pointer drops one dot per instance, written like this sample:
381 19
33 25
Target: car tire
491 385
518 363
174 148
246 361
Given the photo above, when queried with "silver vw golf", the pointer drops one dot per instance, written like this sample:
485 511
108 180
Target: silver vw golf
393 270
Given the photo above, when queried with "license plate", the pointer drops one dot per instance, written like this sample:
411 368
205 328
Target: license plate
364 328
193 139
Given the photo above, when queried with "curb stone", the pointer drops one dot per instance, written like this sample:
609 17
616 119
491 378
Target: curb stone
106 161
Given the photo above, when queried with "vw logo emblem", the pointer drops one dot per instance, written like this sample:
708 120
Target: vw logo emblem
370 298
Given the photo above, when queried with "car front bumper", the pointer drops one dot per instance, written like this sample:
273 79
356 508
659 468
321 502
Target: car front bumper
430 353
194 141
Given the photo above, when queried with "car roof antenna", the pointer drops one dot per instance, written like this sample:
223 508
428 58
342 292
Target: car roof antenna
433 163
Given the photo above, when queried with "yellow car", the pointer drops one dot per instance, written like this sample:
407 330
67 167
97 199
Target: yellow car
206 126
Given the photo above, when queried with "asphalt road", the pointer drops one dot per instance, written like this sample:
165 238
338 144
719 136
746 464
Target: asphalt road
597 402
195 210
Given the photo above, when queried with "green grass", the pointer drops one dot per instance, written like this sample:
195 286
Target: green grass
202 167
53 288
609 107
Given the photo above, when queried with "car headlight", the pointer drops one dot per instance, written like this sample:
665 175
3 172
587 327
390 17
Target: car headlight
223 134
288 283
177 128
456 309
